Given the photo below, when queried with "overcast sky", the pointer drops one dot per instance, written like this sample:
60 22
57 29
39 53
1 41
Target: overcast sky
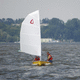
62 9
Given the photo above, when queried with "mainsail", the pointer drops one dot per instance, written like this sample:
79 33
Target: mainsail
30 38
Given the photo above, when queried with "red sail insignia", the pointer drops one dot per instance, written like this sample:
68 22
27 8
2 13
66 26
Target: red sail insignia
32 21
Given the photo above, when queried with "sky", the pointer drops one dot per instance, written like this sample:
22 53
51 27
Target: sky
62 9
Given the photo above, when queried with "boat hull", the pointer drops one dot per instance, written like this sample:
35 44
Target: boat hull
41 63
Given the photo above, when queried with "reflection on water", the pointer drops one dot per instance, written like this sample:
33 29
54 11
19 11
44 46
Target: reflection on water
18 66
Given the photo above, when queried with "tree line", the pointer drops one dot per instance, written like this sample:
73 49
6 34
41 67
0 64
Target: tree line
10 29
56 29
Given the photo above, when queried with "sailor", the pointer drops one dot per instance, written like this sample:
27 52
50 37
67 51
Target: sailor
49 57
36 58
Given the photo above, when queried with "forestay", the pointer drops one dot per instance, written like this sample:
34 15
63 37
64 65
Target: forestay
30 38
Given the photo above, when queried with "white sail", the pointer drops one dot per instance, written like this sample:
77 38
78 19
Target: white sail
30 38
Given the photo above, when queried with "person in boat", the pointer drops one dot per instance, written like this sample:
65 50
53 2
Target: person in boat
36 58
49 57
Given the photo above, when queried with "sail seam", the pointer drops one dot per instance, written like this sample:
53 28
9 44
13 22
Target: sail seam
30 34
31 45
31 25
33 17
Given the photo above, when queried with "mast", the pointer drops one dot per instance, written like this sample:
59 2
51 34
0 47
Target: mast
40 58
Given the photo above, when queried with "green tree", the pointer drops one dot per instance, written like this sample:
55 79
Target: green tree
4 36
46 20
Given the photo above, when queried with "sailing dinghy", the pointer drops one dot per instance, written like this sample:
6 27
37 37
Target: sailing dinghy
30 38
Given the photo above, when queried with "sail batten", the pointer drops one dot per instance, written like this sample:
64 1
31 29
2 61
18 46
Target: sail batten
31 45
30 37
29 25
30 34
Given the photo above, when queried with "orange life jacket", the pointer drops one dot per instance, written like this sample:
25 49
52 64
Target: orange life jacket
50 57
37 59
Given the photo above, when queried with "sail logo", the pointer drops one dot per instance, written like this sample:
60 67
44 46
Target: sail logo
32 21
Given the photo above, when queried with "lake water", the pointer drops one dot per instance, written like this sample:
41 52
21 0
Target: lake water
18 66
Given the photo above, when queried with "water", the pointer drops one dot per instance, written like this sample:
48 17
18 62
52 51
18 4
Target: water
18 66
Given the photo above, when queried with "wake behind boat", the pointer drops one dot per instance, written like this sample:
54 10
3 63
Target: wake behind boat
30 37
